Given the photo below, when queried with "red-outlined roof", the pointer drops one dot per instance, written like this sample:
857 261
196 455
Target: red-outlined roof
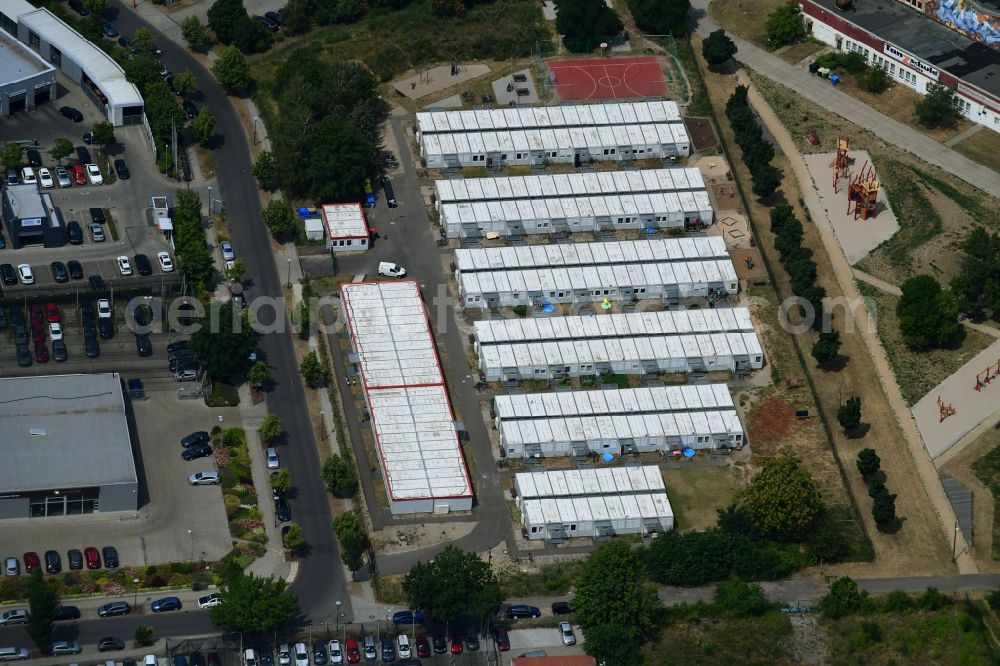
344 220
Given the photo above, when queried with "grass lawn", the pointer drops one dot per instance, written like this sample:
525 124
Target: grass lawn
987 470
696 493
796 53
746 18
762 641
223 395
982 147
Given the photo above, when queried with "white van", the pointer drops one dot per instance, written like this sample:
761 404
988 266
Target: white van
249 658
28 176
389 269
403 646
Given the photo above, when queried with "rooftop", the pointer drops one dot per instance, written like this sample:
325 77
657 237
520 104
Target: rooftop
18 63
925 38
593 138
81 433
26 201
345 220
589 482
536 117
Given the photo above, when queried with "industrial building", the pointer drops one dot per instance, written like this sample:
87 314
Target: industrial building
31 217
96 72
593 503
664 269
577 202
404 388
618 421
66 446
346 227
26 80
621 343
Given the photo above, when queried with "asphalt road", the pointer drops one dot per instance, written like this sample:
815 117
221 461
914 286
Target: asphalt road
88 631
318 583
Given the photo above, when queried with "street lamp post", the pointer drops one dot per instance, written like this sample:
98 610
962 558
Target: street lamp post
338 614
289 280
191 538
135 599
322 423
255 121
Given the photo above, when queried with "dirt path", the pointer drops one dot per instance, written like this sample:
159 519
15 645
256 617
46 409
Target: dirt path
880 408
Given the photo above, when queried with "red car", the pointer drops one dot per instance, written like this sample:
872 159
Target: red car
456 645
31 562
92 557
41 353
352 650
52 312
37 312
503 640
423 647
79 175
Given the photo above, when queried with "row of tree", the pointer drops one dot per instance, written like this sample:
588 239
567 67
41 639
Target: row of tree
884 506
757 151
661 17
977 285
194 258
798 263
231 24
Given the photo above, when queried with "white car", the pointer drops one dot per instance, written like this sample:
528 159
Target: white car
104 308
566 631
301 655
28 176
166 263
14 616
227 251
124 265
209 601
336 654
97 232
62 175
284 655
272 459
55 331
205 479
389 269
94 174
27 277
45 178
403 646
249 658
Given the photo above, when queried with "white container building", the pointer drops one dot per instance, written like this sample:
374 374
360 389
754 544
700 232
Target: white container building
620 343
346 227
618 421
404 388
593 503
664 269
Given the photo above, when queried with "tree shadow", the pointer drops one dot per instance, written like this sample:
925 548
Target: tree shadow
892 527
836 365
859 432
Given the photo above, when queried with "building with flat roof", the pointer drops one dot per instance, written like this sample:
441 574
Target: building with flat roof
346 227
66 446
31 217
548 117
26 80
915 49
415 434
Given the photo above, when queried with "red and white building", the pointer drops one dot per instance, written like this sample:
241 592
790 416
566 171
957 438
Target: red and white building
915 49
346 227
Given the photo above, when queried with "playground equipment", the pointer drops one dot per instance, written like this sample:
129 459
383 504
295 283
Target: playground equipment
841 163
986 376
862 193
944 410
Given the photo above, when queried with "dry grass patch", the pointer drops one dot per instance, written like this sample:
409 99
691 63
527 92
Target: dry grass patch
697 493
796 53
977 466
746 18
982 147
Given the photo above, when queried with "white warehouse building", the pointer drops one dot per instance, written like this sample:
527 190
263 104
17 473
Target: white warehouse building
721 339
411 418
618 421
593 503
666 269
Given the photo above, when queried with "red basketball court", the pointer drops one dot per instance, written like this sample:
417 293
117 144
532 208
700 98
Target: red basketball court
608 78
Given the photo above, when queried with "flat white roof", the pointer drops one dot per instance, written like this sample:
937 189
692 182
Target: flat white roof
578 207
638 401
614 325
345 220
96 64
469 260
589 482
567 115
18 62
592 139
405 390
605 508
564 185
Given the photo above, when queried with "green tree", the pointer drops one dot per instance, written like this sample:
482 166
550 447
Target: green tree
223 18
784 26
143 69
194 258
293 538
312 370
194 33
185 82
339 161
884 510
163 110
298 16
455 585
302 320
270 428
338 475
843 598
236 272
766 179
585 24
43 604
252 603
661 17
874 80
609 644
60 148
103 133
928 315
940 107
849 414
447 7
735 598
868 462
718 48
265 170
232 71
143 634
11 155
281 480
225 352
977 285
781 499
95 6
612 589
278 218
203 126
259 373
251 36
826 348
353 539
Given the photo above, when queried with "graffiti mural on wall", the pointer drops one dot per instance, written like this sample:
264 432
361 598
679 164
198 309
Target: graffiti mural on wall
970 21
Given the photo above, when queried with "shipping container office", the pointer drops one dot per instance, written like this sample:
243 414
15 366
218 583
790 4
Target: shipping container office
556 520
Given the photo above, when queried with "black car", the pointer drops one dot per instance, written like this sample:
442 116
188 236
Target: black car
74 558
88 138
24 356
561 608
75 269
142 265
70 112
440 645
77 6
53 563
282 510
110 643
178 363
20 334
126 43
97 216
90 347
518 611
390 196
97 283
197 451
319 653
114 608
143 345
472 642
67 613
122 170
106 328
34 157
274 16
267 22
7 273
388 649
110 557
74 233
179 350
142 315
190 109
59 350
83 154
59 272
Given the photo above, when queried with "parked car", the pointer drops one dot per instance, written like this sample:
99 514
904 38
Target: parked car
64 613
23 355
34 157
110 31
14 616
368 645
561 608
440 645
456 644
121 170
403 646
83 155
74 558
423 646
114 608
13 176
110 557
284 655
352 651
79 175
267 23
228 254
301 654
143 345
59 351
13 654
274 16
92 557
142 265
28 176
7 274
59 272
25 273
97 216
205 479
53 562
52 313
390 195
66 647
518 611
388 649
90 347
389 269
45 178
165 604
42 356
75 269
336 653
11 566
566 631
195 438
502 640
209 601
472 642
31 561
109 643
190 109
272 458
124 265
94 174
71 113
62 177
407 617
166 263
197 451
97 233
282 510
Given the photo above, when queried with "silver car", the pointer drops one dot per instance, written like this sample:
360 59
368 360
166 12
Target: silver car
11 566
66 647
272 459
14 616
227 251
205 479
62 177
566 631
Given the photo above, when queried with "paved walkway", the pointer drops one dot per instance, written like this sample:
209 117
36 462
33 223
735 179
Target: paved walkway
830 97
962 136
